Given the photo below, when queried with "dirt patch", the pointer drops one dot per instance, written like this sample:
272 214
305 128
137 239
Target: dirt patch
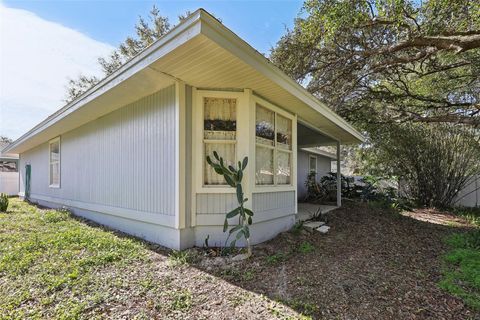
373 264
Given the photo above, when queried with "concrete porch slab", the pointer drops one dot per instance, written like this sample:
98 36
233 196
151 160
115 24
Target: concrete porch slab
307 210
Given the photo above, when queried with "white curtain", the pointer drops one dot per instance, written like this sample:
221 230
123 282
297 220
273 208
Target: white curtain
220 124
224 150
283 167
220 109
264 166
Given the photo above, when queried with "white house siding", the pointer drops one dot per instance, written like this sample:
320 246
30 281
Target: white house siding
9 183
216 203
274 213
271 205
323 167
121 164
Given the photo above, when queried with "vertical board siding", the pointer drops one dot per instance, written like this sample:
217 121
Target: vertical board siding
216 203
281 202
124 159
303 169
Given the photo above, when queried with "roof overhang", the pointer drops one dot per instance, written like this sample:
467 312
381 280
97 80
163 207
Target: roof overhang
320 153
203 53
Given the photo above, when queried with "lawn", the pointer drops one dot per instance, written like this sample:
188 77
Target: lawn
373 264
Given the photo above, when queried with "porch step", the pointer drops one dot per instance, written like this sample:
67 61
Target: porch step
313 224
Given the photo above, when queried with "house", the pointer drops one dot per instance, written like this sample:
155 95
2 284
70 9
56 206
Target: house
308 160
8 171
130 152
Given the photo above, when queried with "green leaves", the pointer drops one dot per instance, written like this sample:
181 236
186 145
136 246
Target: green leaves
239 193
233 213
233 176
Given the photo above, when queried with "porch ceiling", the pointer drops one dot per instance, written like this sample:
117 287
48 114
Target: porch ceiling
309 137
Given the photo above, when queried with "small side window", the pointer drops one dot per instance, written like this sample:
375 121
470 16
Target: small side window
313 163
54 163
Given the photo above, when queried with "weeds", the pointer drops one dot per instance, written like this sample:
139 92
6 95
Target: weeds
461 276
276 258
306 247
179 258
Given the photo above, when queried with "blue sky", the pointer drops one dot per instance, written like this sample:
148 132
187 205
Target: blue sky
260 23
46 43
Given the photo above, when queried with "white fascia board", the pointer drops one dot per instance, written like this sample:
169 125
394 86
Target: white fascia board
213 29
180 34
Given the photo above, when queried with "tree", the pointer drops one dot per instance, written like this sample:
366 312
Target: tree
5 139
388 60
147 31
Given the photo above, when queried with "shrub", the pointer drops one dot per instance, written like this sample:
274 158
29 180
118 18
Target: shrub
315 191
3 202
432 162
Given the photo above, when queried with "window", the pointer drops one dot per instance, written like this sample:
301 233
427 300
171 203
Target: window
54 159
312 163
273 134
219 134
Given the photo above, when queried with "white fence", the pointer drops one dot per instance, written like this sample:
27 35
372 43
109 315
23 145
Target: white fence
470 195
9 183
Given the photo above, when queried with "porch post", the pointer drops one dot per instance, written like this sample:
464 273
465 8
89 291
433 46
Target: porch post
339 177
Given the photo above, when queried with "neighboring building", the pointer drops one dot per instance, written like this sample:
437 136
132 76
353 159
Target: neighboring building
130 152
469 196
8 171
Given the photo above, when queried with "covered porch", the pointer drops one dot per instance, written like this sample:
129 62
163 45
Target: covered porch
308 138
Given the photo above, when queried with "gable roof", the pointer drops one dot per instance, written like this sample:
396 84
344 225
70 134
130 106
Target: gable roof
203 53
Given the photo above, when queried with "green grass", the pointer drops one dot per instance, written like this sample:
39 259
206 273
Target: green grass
49 262
179 258
306 247
276 258
472 215
461 276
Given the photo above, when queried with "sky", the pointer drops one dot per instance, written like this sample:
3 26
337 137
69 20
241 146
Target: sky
44 43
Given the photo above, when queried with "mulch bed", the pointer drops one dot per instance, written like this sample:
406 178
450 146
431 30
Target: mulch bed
373 264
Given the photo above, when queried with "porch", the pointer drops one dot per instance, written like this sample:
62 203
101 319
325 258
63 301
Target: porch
308 138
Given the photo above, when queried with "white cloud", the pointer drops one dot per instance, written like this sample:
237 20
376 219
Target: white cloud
36 59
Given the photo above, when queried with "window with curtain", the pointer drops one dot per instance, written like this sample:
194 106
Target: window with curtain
54 162
273 134
219 134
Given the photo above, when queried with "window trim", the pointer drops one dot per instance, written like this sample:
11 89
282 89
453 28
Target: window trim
259 188
199 141
311 156
50 184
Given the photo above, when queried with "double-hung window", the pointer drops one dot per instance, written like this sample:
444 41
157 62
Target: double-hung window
219 134
54 163
273 149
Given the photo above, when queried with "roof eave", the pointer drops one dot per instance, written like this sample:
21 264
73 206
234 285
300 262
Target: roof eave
198 22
